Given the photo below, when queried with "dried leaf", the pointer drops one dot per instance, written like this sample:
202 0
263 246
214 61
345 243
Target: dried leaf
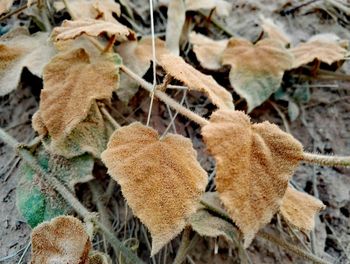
137 56
164 169
299 209
93 28
222 8
274 31
195 80
254 164
62 240
326 48
73 81
18 50
176 20
5 5
38 202
256 70
97 257
208 51
106 8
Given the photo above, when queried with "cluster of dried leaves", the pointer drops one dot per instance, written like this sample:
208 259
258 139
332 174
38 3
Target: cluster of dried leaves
160 177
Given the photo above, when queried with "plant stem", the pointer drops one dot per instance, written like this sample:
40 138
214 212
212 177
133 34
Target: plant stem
109 117
52 181
19 10
165 98
343 161
186 245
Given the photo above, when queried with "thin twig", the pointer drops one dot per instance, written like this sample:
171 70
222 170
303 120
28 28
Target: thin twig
109 117
19 10
182 251
342 161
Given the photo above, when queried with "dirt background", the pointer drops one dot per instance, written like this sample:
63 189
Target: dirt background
322 126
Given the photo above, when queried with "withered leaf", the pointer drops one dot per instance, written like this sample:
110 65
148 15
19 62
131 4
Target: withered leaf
208 51
73 82
299 209
323 47
97 257
5 5
18 50
254 163
222 8
274 31
175 22
73 29
62 240
195 80
256 70
161 179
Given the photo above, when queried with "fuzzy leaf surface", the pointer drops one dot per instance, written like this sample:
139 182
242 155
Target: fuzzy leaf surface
254 164
161 179
256 70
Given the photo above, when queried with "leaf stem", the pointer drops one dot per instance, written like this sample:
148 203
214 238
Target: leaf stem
109 117
343 161
51 180
186 245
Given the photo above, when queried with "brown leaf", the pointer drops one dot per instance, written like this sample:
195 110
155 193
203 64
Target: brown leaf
73 82
324 47
93 28
254 163
299 209
137 56
161 179
208 51
5 5
256 70
195 80
62 240
274 31
18 50
222 8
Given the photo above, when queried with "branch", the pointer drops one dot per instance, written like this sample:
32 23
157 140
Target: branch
343 161
52 181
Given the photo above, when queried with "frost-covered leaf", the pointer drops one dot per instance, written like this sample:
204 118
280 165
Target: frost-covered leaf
73 81
256 70
175 22
73 29
327 48
62 240
253 163
18 49
222 8
5 5
299 209
38 202
207 50
274 31
137 56
195 80
161 179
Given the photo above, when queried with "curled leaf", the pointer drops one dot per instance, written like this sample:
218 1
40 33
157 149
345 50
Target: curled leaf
274 31
299 209
254 163
195 80
208 51
62 240
18 50
256 70
93 28
73 81
161 179
326 48
222 8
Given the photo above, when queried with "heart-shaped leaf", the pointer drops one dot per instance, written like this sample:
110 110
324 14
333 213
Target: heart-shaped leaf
161 179
254 164
256 70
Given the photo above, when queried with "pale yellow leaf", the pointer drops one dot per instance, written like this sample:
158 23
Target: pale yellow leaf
323 47
195 80
274 31
62 240
5 5
299 209
161 179
222 8
254 163
106 8
256 70
93 28
18 49
73 81
176 20
208 51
